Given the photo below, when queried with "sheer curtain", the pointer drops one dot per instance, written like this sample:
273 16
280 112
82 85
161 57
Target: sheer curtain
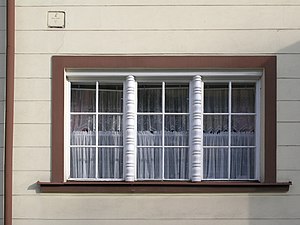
83 155
154 161
220 160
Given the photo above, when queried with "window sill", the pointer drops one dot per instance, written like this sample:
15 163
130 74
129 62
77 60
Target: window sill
162 187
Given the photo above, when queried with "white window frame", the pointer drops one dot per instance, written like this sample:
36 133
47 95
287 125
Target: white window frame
196 101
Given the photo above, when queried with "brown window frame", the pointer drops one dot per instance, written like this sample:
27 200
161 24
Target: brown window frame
61 63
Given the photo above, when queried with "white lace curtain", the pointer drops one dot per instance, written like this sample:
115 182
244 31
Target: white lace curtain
86 160
170 162
234 162
153 161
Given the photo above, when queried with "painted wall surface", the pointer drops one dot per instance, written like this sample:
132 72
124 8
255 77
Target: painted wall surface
157 27
2 98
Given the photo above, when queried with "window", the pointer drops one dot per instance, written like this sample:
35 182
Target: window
103 137
96 130
230 130
241 117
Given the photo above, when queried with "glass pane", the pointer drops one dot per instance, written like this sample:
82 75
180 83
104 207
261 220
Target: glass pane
149 98
149 129
149 163
243 98
110 163
83 163
243 131
83 128
176 163
83 97
242 163
215 130
215 163
110 130
176 98
176 130
215 98
111 98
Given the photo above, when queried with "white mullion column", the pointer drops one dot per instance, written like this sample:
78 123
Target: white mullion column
130 128
196 129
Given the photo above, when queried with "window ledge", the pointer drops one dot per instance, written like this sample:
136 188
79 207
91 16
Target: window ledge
162 187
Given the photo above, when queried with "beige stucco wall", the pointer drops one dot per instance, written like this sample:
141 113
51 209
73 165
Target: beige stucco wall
157 27
2 97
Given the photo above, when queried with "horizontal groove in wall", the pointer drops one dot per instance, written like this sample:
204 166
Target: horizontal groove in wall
296 100
287 78
287 122
155 29
157 219
153 5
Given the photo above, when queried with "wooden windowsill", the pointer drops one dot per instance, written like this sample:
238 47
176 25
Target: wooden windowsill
162 187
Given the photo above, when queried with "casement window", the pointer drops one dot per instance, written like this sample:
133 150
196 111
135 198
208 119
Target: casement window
134 127
163 124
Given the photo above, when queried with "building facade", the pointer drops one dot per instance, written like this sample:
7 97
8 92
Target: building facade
65 46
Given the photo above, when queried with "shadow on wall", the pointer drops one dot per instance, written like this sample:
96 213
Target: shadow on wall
2 100
282 208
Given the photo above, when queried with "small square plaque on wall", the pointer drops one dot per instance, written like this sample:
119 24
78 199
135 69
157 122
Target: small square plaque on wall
56 19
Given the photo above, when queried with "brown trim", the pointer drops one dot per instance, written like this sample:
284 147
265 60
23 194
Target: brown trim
9 116
61 63
162 187
270 120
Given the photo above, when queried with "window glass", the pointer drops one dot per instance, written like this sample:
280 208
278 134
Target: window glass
110 98
83 129
110 163
149 129
176 130
149 163
176 98
83 97
215 130
149 98
83 162
216 97
243 97
176 163
243 130
215 163
242 163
